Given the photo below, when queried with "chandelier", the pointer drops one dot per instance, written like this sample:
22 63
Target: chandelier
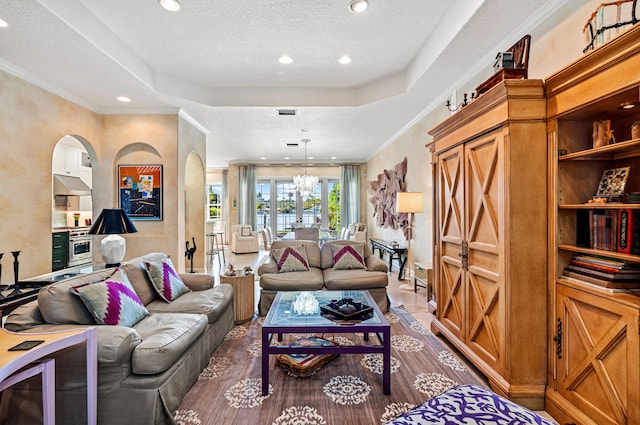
305 183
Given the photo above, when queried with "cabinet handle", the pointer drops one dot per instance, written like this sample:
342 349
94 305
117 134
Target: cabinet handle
464 255
558 339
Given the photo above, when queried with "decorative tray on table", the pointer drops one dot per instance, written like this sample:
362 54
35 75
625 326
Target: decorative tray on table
346 309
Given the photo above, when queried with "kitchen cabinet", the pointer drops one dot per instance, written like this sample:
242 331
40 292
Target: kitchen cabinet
69 161
489 211
59 250
593 342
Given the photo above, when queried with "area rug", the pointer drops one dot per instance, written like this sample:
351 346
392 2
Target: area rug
347 390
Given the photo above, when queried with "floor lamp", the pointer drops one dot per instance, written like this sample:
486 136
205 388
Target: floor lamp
410 203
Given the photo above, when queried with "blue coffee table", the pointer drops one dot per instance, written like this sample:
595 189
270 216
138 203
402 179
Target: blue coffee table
283 318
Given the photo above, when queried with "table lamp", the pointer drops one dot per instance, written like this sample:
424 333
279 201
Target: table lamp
410 203
112 222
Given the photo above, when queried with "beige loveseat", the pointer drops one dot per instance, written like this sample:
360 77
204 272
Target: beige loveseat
322 275
145 370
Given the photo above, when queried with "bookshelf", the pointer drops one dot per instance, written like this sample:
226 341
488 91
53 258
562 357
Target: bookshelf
593 331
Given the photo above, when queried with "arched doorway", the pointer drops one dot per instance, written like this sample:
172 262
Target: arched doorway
194 217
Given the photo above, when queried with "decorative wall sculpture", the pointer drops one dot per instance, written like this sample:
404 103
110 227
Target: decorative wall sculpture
384 190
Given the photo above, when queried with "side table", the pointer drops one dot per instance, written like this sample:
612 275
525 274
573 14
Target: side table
243 295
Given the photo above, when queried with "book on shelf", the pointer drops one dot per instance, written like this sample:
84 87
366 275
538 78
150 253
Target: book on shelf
609 230
601 282
613 277
605 272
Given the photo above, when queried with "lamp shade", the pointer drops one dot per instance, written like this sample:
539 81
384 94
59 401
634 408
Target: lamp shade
409 202
112 221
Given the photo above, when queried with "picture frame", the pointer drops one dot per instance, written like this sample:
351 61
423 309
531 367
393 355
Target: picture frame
613 182
140 191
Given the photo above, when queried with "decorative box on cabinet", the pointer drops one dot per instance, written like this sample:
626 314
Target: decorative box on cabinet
490 231
593 343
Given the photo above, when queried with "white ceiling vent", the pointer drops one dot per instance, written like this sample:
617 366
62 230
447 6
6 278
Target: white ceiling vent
292 145
286 112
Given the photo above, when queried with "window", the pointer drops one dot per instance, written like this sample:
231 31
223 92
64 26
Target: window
263 204
214 201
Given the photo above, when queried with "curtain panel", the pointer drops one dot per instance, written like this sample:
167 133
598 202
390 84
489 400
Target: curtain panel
349 195
247 195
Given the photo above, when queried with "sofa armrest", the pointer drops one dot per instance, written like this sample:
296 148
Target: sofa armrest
116 344
198 281
375 264
24 317
269 266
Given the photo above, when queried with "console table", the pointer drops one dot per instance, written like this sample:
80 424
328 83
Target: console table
16 366
398 253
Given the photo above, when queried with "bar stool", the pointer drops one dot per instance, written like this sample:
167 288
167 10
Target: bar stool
215 246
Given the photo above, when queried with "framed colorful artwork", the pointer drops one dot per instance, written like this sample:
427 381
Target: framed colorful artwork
140 191
613 182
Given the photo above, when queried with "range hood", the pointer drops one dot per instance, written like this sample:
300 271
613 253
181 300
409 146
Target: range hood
67 185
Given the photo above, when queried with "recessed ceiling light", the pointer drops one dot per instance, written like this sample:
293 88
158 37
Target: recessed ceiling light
309 157
344 60
3 23
123 99
286 157
358 6
333 157
263 158
285 60
170 5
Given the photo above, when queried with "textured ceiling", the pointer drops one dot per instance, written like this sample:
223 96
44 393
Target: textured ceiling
215 61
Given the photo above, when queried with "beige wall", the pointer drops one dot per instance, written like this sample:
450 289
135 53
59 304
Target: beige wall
554 44
32 120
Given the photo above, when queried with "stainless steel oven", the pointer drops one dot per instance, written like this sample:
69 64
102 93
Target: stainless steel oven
79 247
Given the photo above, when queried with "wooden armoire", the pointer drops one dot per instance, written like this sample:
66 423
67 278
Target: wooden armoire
490 236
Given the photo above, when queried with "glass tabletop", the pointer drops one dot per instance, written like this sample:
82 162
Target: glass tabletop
303 308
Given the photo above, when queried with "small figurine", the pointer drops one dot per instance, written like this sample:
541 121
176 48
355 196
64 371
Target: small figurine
247 270
230 270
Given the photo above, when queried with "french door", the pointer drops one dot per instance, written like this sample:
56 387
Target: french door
289 210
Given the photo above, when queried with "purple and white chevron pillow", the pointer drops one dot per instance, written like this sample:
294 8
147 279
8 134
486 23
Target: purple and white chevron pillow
291 259
348 257
165 279
112 301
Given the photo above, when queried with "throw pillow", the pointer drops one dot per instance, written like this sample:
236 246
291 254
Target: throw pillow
165 279
348 257
245 231
112 301
291 259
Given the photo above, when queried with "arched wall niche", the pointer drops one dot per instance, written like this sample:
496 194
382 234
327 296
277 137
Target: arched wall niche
152 235
194 217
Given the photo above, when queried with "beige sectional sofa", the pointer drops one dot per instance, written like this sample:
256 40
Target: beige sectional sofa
144 370
322 274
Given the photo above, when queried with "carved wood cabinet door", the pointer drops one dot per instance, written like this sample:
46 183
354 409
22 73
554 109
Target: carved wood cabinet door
450 190
597 356
484 284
